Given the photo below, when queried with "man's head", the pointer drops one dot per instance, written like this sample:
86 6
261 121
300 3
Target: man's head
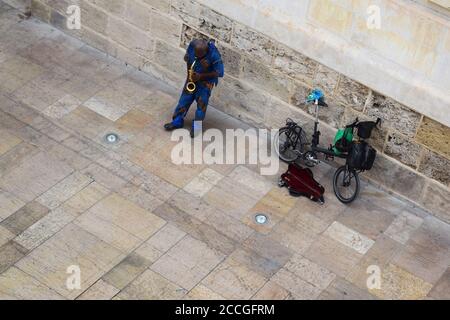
200 48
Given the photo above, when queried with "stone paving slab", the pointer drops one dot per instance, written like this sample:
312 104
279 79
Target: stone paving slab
188 262
25 217
141 227
72 246
99 291
16 284
151 286
125 232
34 176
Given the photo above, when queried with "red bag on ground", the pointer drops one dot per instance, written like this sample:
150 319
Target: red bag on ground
300 182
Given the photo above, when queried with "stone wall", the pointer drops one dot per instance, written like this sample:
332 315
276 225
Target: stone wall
22 5
267 81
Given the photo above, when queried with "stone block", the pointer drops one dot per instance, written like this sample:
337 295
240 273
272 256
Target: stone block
64 190
399 284
266 79
197 229
202 18
367 218
138 14
341 289
326 79
201 292
58 20
40 10
86 198
161 5
309 271
72 246
130 37
295 64
10 253
222 195
259 264
140 197
403 227
116 7
16 284
165 28
293 238
271 291
25 217
232 60
441 290
99 291
333 255
349 237
300 289
393 114
434 135
126 271
427 253
93 18
9 204
397 177
62 107
97 40
330 15
435 199
171 58
435 166
242 101
253 43
188 34
151 286
352 94
403 149
187 263
5 235
45 228
233 280
106 221
34 176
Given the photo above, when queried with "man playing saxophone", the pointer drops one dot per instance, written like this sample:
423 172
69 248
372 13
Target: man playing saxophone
204 64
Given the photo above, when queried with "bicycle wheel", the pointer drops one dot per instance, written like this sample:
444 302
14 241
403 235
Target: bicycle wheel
285 146
346 184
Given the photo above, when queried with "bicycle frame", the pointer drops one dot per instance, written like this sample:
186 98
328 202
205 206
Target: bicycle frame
315 147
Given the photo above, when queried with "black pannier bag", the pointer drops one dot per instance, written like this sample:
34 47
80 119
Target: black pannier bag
361 156
365 128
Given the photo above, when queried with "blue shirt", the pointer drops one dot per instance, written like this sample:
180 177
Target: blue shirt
211 62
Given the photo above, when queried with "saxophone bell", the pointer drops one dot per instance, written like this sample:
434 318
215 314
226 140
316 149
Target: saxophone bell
190 85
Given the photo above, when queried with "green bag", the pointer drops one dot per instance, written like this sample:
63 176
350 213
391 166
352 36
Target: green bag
343 141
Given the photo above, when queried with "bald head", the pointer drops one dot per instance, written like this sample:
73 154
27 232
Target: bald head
200 47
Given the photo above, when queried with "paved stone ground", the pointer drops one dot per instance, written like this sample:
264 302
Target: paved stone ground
140 227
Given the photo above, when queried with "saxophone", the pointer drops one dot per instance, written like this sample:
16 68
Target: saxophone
191 86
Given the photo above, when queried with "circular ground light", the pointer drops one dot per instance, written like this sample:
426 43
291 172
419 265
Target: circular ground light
261 218
111 138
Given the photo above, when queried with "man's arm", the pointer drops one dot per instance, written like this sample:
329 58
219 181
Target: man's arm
204 76
218 72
